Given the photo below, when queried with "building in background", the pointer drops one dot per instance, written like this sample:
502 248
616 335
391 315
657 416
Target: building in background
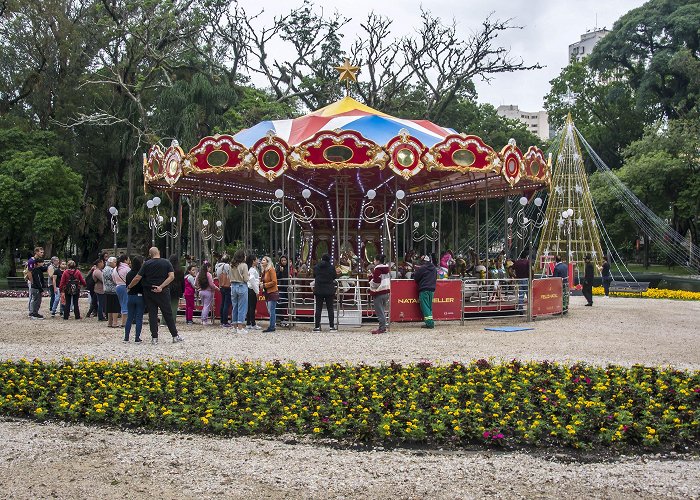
584 47
536 122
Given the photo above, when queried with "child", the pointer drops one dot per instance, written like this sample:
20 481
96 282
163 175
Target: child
190 285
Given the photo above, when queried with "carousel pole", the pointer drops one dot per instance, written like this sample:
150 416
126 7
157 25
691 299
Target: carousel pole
337 222
439 241
477 231
506 210
486 202
425 218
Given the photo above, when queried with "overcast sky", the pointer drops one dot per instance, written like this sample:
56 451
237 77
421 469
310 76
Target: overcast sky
549 27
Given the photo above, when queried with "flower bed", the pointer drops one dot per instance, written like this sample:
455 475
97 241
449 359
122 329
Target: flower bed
508 404
655 293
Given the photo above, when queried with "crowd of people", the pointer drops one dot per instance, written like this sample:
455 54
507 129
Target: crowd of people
123 288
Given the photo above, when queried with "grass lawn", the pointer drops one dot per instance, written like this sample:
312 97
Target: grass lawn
655 268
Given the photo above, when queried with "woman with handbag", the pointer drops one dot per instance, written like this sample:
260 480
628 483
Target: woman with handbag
271 291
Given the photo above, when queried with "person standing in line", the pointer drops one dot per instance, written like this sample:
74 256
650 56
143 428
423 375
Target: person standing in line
606 276
71 281
239 290
38 283
253 291
522 274
379 288
177 286
190 288
271 291
223 274
135 304
57 275
157 274
561 270
324 291
100 289
207 288
426 278
283 274
119 278
54 290
588 280
35 279
112 306
90 287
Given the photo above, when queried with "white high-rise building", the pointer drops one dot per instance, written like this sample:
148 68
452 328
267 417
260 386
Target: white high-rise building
537 122
584 47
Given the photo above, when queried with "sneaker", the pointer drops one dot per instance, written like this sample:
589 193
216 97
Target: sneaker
333 329
226 325
154 341
378 331
284 324
317 329
205 322
137 341
177 339
189 322
36 316
126 340
241 330
53 315
268 330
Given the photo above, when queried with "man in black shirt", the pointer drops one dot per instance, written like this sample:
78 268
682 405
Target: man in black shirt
37 267
157 274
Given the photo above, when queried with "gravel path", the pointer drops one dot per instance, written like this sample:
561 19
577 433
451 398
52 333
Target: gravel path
41 461
617 330
53 460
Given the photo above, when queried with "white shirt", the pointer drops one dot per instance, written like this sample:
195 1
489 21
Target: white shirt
254 280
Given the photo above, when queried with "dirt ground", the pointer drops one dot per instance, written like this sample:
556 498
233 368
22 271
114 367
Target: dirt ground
62 461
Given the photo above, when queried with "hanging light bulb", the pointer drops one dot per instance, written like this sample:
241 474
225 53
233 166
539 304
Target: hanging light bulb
218 223
538 202
279 193
156 201
371 194
149 204
523 201
205 222
400 194
510 220
306 193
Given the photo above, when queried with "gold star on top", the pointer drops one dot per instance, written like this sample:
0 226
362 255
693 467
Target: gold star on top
347 73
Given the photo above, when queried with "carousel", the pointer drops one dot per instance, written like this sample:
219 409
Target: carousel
344 179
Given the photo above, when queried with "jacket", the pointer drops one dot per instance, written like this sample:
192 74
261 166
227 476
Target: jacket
561 271
270 281
324 276
65 277
426 276
380 284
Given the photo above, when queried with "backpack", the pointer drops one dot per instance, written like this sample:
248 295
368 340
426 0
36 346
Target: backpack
90 282
224 278
27 274
73 285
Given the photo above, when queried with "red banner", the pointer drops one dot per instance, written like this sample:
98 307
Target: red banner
547 296
446 302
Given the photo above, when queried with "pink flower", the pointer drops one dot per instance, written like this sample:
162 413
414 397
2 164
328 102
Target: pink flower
487 434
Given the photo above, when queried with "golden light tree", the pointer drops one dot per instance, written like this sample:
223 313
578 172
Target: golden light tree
571 230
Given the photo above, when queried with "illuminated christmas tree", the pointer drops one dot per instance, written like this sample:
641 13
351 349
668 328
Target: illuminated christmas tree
571 230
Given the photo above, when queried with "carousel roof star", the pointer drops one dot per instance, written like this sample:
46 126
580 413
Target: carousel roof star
347 72
578 188
594 253
579 222
559 190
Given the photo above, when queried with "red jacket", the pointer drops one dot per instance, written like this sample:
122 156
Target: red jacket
66 276
381 271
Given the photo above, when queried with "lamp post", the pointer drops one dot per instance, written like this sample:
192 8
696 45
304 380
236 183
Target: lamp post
114 223
399 215
155 222
524 227
432 236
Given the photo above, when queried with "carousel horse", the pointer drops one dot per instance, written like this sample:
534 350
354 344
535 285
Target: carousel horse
459 267
405 269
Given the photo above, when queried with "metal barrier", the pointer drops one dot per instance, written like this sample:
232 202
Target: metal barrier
493 298
351 305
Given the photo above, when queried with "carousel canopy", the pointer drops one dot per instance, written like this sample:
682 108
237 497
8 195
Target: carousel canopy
346 149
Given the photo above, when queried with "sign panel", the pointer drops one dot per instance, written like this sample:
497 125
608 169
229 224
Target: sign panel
446 302
547 296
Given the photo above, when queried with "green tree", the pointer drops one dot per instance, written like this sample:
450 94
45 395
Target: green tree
656 49
39 194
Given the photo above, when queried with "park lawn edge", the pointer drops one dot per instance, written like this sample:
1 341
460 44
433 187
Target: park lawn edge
483 403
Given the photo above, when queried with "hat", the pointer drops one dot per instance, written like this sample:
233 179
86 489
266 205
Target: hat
426 258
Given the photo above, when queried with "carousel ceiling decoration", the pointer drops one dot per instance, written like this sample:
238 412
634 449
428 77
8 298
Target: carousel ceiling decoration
346 144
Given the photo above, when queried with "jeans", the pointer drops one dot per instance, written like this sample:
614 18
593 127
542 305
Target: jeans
320 300
239 297
207 297
252 306
271 306
123 296
606 284
66 308
56 301
135 307
52 297
35 301
101 303
381 304
93 304
225 304
155 301
522 290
